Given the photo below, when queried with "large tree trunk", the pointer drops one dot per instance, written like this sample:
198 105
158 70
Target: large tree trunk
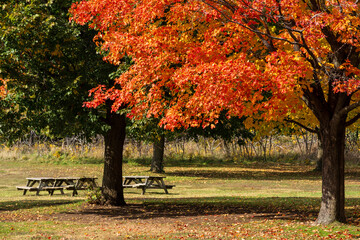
333 188
157 163
114 143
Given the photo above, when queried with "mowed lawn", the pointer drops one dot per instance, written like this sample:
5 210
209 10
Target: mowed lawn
236 201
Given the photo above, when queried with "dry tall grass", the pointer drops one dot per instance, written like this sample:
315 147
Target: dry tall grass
302 148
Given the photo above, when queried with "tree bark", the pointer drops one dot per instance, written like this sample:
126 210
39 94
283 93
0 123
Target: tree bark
157 163
319 157
333 182
112 189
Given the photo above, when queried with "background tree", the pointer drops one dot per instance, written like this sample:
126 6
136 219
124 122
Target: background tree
147 130
262 59
228 130
51 65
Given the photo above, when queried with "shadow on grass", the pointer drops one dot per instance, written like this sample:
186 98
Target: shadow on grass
28 204
300 209
254 174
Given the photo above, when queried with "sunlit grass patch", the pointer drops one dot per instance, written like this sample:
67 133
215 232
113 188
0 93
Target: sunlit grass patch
41 230
252 200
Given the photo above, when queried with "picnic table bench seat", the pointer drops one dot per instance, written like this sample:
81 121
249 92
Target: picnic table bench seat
54 188
72 187
140 185
27 188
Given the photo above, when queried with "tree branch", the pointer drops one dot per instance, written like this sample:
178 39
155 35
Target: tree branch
259 33
353 120
301 125
349 108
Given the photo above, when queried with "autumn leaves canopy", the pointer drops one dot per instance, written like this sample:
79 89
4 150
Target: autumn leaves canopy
194 59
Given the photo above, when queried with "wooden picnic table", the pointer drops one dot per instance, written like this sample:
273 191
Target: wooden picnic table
51 184
37 184
145 182
73 183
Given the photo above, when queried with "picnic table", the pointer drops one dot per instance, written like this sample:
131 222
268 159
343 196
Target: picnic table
51 184
145 182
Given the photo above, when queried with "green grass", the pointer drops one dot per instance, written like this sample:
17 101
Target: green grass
255 200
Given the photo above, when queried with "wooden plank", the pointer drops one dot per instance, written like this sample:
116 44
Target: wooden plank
27 188
54 188
140 177
139 185
72 187
158 187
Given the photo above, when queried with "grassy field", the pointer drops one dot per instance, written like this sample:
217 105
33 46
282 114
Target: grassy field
223 201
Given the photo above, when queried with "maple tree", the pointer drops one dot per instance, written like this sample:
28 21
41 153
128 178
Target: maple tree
263 59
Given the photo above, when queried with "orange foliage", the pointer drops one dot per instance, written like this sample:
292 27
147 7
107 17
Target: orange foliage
194 59
3 90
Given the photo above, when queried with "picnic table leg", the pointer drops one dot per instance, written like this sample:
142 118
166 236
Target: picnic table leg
162 184
41 185
126 181
92 184
61 190
51 192
57 183
147 183
143 190
76 185
74 193
30 183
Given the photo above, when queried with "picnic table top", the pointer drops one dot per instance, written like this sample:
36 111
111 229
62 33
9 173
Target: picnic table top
58 178
144 177
40 178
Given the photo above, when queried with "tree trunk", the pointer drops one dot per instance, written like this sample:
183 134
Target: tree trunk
114 143
333 183
157 163
319 157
